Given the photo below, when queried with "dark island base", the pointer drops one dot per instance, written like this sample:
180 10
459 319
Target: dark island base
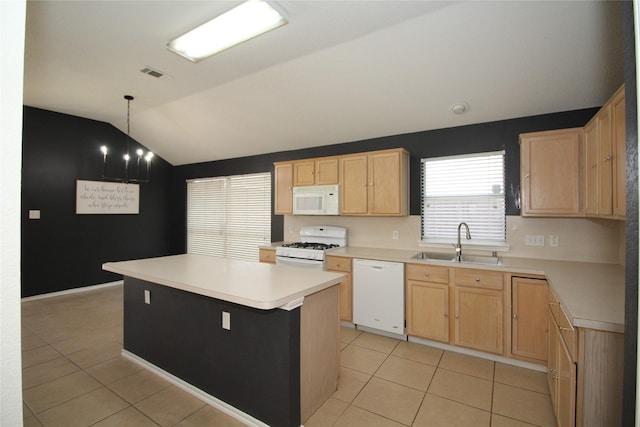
254 366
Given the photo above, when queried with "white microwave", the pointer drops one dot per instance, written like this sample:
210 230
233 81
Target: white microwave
316 200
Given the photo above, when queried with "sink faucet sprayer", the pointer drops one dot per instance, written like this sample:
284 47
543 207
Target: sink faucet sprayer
459 245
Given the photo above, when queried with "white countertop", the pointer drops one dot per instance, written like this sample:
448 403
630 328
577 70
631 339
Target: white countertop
254 284
592 294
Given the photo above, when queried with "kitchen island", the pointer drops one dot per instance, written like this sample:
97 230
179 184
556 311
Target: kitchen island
259 341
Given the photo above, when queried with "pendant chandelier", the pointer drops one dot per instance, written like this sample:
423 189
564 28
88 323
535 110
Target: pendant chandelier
126 178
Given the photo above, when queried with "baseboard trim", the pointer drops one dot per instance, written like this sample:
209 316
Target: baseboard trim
480 354
196 392
73 291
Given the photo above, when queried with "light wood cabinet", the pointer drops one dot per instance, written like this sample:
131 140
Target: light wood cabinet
321 171
619 144
375 183
428 301
479 319
550 164
267 255
529 318
343 265
283 182
585 371
591 168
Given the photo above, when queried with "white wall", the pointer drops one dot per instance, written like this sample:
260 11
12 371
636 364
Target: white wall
580 239
12 26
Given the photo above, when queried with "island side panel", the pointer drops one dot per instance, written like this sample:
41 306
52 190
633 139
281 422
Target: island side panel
319 349
254 366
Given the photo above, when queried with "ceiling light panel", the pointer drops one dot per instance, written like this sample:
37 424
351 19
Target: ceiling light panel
239 24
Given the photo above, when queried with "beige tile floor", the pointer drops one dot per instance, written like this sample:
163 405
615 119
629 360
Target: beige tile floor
74 375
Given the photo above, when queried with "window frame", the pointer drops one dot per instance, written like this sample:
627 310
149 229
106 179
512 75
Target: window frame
497 244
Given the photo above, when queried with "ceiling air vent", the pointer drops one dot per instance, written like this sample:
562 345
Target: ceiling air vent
152 72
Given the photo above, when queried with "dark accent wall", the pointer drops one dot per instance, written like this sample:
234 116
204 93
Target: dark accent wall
631 226
254 366
493 136
63 250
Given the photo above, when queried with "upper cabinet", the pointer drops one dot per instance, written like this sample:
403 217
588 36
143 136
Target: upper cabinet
604 162
283 181
323 171
550 173
577 172
619 144
375 183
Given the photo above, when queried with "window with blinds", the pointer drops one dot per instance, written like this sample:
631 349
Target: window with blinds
467 188
229 216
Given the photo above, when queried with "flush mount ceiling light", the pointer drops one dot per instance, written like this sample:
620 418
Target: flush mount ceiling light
460 108
239 24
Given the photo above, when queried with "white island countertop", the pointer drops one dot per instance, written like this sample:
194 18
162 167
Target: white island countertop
253 284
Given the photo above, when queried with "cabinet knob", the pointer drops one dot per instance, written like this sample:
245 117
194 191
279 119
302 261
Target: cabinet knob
562 328
608 158
477 279
426 273
515 316
446 315
456 316
526 175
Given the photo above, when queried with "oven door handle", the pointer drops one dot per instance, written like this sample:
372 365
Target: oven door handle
300 262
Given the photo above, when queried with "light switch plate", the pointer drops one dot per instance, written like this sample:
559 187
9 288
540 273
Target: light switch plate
226 320
34 213
147 297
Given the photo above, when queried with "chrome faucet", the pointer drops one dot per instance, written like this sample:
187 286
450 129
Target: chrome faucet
459 245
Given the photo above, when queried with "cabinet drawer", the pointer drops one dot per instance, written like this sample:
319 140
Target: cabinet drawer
427 273
479 278
267 255
569 334
337 263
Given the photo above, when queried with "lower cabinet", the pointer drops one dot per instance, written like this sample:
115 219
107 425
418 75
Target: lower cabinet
529 319
428 301
343 265
479 319
267 255
584 372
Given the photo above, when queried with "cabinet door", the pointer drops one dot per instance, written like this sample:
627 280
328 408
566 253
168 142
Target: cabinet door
591 168
428 310
529 323
550 167
552 362
326 171
566 398
479 319
385 192
284 188
304 173
605 162
346 298
353 194
619 155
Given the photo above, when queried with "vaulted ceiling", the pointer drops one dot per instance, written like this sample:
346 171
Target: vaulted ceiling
340 71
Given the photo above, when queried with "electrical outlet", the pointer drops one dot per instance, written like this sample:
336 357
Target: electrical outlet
534 240
553 240
226 320
395 235
147 297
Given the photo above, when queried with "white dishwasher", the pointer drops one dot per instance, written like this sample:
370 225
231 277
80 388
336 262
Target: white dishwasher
378 295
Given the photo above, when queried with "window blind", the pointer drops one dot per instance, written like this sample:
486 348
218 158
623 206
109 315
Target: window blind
229 216
468 188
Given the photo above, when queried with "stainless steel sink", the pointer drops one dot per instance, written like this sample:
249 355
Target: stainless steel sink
472 259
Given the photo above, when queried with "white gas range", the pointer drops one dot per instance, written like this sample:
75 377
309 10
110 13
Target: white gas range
309 252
